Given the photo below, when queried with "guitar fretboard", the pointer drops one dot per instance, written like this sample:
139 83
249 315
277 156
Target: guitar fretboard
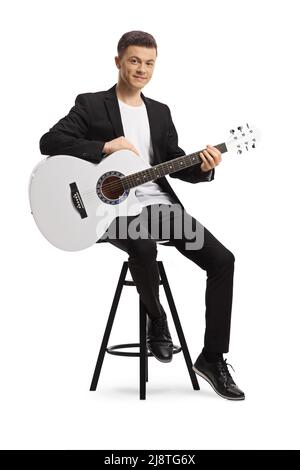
165 168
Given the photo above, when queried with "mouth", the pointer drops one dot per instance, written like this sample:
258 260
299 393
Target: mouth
139 78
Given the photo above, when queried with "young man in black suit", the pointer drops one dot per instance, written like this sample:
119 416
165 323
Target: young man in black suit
123 118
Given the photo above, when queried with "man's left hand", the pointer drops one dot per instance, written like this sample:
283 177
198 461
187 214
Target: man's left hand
211 158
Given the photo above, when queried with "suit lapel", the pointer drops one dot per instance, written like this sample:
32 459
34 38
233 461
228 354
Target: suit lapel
154 124
113 110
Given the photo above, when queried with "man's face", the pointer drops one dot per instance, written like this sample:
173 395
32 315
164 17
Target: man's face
136 62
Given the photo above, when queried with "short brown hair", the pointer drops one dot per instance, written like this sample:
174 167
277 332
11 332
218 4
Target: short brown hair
135 38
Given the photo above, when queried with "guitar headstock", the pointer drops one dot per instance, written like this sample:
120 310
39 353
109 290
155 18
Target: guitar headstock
243 138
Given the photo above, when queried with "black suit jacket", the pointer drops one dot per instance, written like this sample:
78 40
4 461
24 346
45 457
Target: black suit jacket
96 119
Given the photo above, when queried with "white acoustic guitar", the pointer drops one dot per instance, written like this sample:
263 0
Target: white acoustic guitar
73 201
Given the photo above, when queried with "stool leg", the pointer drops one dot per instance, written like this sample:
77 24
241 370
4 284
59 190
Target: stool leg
108 328
142 350
146 365
178 326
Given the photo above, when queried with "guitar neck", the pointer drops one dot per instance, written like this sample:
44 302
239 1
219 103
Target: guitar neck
165 168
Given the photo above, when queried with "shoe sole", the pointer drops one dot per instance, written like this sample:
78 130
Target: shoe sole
212 385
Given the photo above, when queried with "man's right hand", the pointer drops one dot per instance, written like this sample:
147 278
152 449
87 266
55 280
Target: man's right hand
118 144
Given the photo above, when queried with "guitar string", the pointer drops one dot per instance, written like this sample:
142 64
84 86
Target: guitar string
92 194
115 185
118 184
176 160
89 195
133 179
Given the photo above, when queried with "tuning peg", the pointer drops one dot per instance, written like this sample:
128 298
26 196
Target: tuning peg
240 128
232 131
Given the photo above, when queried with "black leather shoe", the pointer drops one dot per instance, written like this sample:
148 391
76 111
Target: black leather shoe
158 339
218 376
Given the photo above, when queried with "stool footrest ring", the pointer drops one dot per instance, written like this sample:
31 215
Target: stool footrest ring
132 283
113 350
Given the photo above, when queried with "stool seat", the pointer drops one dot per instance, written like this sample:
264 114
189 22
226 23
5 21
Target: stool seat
143 353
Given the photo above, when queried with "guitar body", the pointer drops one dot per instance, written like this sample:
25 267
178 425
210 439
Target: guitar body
73 202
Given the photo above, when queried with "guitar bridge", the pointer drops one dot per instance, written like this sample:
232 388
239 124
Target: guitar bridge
77 201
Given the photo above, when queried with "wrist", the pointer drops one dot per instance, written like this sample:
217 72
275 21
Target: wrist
201 168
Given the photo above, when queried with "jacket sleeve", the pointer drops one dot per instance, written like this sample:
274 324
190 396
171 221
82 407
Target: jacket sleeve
193 174
69 135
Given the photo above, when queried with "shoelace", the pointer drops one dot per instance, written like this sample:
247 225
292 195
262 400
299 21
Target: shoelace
223 367
161 327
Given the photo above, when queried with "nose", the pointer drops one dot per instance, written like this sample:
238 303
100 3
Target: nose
141 70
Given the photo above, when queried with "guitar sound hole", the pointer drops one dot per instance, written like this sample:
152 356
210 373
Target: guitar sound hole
112 188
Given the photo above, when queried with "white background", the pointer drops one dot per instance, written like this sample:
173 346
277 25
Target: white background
219 64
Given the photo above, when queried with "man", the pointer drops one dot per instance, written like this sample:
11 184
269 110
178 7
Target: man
123 118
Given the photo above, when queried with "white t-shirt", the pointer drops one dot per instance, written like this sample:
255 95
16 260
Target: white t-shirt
137 131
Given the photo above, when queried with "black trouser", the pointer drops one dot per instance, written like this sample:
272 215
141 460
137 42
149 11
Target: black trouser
212 256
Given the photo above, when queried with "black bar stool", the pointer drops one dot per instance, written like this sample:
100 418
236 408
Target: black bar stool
143 353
